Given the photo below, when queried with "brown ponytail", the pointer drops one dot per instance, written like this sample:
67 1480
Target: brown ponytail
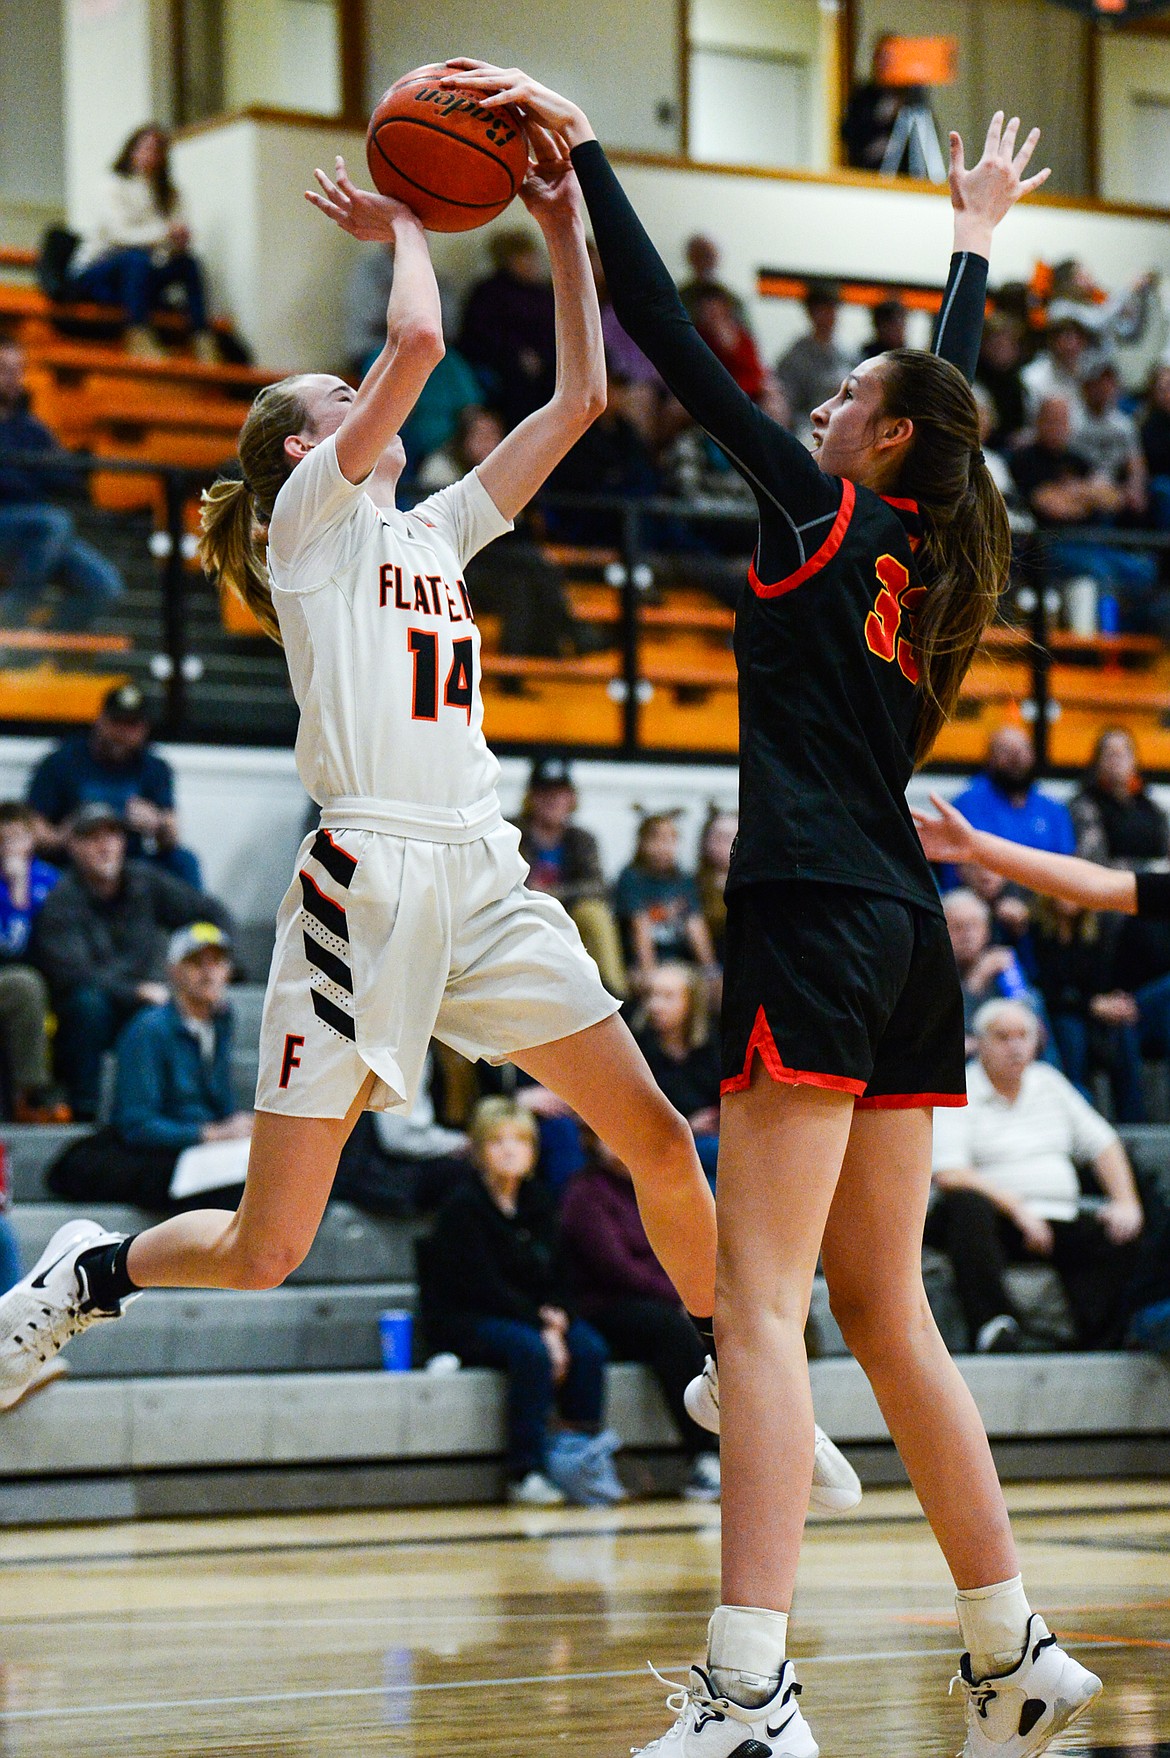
235 513
966 546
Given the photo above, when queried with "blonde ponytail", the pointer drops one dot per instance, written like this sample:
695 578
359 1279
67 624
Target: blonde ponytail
235 512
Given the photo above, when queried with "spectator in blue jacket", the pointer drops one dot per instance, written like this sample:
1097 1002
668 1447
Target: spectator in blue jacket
113 764
173 1088
25 883
1006 801
39 545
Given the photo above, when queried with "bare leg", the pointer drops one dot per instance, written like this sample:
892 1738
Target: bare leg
780 1151
873 1263
603 1075
290 1174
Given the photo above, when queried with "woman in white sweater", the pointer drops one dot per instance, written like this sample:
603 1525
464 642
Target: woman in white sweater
139 247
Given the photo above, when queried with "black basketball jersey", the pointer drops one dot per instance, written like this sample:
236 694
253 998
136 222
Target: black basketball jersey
824 636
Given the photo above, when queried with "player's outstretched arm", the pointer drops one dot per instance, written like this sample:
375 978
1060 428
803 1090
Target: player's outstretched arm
523 460
414 323
949 837
981 197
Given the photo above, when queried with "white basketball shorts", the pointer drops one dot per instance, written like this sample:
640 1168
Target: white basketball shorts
384 942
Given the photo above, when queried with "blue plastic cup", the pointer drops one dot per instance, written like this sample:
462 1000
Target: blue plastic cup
397 1332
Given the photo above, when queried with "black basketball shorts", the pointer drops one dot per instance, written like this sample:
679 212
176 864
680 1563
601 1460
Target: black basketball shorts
842 988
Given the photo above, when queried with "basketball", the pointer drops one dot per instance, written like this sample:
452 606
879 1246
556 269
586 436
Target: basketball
456 163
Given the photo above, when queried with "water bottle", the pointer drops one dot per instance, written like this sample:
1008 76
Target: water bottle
1108 614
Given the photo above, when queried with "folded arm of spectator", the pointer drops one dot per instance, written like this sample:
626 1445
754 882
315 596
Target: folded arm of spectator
1035 1229
1122 1216
177 903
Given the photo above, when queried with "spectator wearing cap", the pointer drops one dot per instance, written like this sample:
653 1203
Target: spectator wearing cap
563 859
25 883
39 544
1107 437
114 764
814 367
101 940
173 1088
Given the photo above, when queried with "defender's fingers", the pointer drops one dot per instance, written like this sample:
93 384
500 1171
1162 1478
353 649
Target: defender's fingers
994 130
958 158
1035 182
1025 152
1007 145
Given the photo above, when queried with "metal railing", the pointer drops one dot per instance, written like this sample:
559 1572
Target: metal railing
174 663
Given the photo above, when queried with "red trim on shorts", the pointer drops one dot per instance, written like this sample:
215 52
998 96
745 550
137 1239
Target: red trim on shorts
763 1041
909 1101
816 562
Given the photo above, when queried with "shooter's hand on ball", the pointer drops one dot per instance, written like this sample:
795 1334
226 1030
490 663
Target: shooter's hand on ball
550 191
508 85
361 212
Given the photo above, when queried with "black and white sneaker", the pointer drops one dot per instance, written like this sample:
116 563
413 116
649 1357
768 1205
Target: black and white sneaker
1019 1713
710 1726
836 1487
48 1308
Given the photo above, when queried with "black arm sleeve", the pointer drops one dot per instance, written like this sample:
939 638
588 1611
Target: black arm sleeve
958 332
782 474
1153 896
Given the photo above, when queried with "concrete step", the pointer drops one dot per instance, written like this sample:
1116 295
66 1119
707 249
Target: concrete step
284 1330
350 1247
247 1420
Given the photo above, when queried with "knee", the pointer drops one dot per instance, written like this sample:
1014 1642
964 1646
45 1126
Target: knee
258 1264
877 1319
666 1141
24 986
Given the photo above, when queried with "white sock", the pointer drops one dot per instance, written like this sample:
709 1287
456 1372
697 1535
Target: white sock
745 1652
994 1623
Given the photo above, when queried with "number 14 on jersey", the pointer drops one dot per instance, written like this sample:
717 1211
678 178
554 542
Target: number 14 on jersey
459 689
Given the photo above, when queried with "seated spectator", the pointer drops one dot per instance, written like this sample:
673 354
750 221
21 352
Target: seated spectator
25 883
611 458
172 1093
1155 438
984 970
513 578
1008 1189
563 859
625 360
1116 818
889 329
492 1292
509 328
658 905
39 545
870 116
138 253
435 422
114 764
1005 799
703 258
1108 438
815 366
1124 317
1000 374
624 1292
1094 1025
101 940
676 1039
1056 369
1000 470
402 1163
715 845
1063 486
730 341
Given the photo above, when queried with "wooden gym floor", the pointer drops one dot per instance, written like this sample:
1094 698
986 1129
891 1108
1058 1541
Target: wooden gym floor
506 1635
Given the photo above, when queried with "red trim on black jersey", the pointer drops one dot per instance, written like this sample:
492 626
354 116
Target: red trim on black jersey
763 1041
901 506
816 562
908 1101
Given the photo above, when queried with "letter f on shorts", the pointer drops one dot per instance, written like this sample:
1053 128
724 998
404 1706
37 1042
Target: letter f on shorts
291 1060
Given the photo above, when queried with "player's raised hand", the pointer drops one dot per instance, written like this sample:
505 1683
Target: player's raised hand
363 213
510 85
948 837
550 191
982 195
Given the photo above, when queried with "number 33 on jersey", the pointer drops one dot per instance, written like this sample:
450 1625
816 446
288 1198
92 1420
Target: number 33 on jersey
894 611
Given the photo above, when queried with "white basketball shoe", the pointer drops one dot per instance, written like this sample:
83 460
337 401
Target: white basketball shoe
836 1487
710 1726
48 1308
1019 1713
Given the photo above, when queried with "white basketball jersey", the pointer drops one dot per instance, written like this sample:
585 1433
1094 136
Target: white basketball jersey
382 647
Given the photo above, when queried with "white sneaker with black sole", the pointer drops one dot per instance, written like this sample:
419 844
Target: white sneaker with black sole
1019 1713
836 1487
710 1726
48 1308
